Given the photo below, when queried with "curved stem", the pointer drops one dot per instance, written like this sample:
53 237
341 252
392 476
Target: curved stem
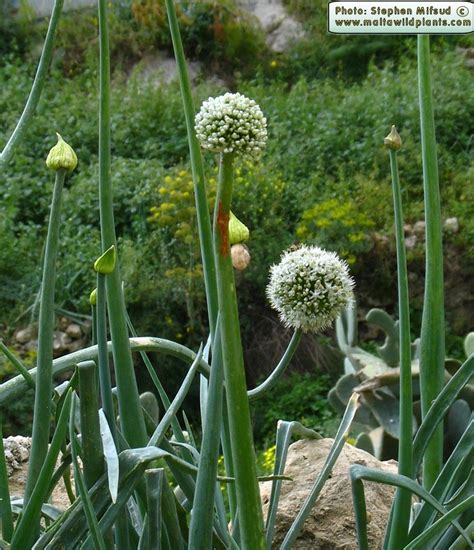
279 370
432 346
402 503
248 496
37 87
131 416
15 387
44 374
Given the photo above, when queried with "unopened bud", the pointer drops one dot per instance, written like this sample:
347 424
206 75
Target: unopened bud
61 156
93 297
240 256
105 264
238 232
393 140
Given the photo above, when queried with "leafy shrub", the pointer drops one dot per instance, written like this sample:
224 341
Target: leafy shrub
338 225
217 32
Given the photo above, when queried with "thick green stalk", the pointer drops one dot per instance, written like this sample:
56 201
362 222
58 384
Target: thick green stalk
44 373
92 453
131 417
37 87
200 530
432 346
248 496
402 503
204 223
6 508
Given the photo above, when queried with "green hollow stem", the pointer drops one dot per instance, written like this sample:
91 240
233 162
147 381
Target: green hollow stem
6 509
105 383
402 503
131 417
432 344
44 373
248 496
279 370
200 530
202 214
93 456
200 193
37 87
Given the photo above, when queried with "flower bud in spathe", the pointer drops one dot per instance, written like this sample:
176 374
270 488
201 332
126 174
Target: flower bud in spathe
240 256
238 232
61 156
93 297
232 123
105 264
393 140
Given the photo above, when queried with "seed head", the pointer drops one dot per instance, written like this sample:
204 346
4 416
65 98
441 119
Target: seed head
309 288
232 123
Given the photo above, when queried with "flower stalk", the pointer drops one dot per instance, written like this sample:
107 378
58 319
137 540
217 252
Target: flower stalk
432 344
131 417
44 378
37 87
402 503
248 496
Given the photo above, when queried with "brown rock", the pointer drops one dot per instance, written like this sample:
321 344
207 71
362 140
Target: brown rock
330 525
17 453
419 228
24 335
74 331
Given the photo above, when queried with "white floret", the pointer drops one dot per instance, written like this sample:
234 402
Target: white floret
309 288
231 123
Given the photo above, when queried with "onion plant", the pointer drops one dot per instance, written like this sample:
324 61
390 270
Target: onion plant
141 481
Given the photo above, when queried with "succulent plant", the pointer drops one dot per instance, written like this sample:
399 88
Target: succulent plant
375 377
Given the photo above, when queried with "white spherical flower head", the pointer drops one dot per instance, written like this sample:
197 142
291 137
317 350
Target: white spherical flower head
309 288
232 123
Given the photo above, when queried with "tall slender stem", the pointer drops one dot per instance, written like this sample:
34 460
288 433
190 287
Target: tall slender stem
248 496
402 504
37 87
105 383
44 376
131 416
200 194
205 239
432 345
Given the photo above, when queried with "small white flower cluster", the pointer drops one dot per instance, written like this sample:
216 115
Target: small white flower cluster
309 288
232 123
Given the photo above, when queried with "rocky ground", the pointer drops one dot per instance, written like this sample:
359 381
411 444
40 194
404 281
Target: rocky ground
330 525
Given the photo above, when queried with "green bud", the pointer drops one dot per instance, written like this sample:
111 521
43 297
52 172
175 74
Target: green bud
393 140
93 297
62 156
238 232
105 264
